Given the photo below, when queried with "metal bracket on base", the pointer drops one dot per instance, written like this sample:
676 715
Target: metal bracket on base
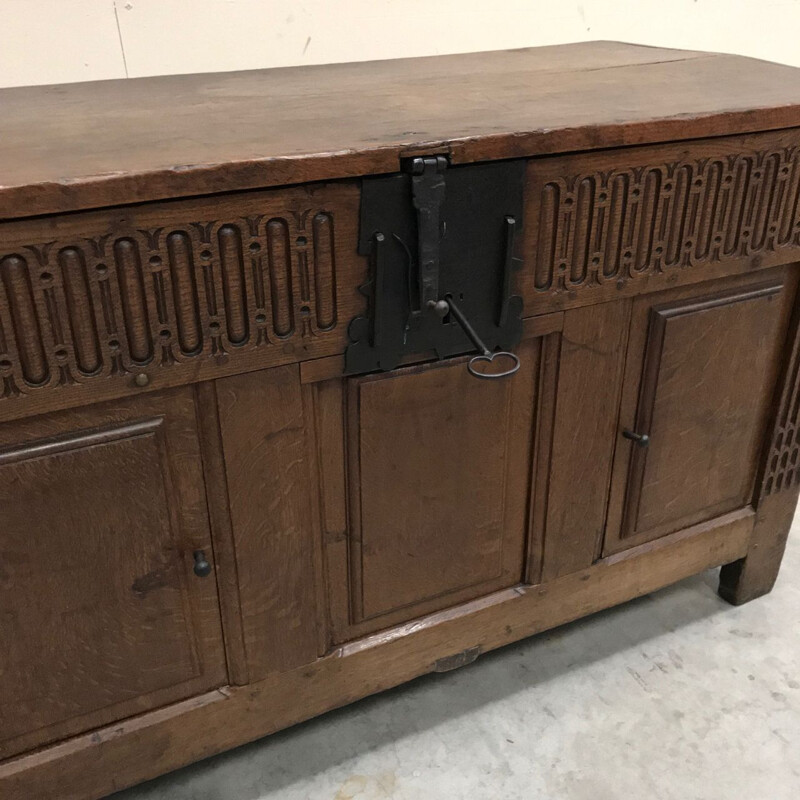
458 660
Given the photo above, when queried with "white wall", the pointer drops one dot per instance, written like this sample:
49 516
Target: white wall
55 41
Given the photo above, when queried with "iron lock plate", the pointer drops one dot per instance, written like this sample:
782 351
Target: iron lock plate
436 232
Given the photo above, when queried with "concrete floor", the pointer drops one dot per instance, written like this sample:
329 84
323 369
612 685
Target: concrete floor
673 696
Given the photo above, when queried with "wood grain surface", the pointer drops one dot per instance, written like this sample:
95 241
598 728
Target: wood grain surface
91 766
171 381
101 510
110 142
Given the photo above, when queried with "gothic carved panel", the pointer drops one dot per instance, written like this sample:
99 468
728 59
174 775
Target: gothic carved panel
782 468
108 294
616 217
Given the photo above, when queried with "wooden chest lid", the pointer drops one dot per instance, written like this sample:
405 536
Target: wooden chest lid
84 145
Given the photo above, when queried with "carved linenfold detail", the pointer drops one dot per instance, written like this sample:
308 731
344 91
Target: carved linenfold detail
77 295
324 271
24 326
280 272
618 224
132 299
105 303
233 288
184 292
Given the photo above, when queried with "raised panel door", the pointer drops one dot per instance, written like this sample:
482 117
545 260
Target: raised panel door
427 497
699 380
101 513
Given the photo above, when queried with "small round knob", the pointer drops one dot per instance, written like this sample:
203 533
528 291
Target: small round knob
642 439
141 379
201 567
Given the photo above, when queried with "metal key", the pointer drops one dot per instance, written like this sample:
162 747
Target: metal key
442 308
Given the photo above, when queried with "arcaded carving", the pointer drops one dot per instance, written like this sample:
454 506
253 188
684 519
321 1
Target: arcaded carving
624 223
782 469
127 298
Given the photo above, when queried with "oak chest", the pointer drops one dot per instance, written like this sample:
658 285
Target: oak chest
314 380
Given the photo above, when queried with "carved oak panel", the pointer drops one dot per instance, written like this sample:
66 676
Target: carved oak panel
104 295
646 216
782 467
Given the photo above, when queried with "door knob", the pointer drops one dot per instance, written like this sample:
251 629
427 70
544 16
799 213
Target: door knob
642 439
201 567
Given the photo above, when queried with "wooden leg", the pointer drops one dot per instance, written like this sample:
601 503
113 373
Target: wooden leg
754 575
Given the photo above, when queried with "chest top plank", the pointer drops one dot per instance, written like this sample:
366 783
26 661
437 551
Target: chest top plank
104 143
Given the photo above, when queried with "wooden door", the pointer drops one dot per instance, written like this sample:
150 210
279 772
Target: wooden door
101 510
427 486
700 374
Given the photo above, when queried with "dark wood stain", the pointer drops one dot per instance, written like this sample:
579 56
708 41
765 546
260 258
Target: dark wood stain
172 388
295 125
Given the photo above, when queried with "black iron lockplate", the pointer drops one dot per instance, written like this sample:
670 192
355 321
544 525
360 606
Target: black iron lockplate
436 233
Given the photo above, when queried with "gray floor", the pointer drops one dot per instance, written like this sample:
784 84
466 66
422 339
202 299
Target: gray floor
676 695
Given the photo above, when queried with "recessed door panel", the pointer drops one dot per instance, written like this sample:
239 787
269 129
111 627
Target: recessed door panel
439 477
101 511
432 448
700 374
